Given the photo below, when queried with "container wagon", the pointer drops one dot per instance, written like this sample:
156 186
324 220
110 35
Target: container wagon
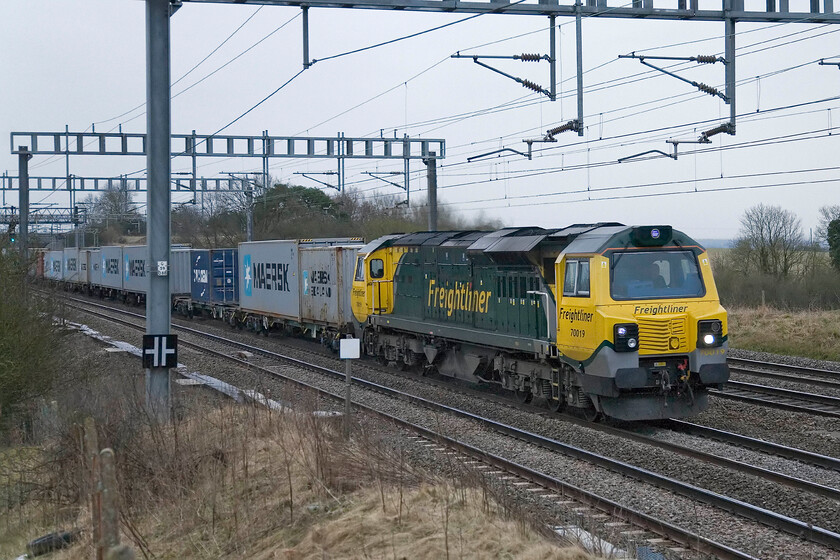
301 287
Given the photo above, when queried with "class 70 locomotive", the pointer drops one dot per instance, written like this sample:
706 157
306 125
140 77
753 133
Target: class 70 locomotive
602 319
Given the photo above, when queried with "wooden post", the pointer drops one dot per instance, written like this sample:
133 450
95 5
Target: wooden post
92 456
120 552
110 501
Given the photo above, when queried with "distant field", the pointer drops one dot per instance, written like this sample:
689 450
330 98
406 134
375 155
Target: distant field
810 334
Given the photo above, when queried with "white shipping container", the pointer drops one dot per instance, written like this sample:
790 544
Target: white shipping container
112 267
72 265
95 267
136 270
84 266
269 282
54 265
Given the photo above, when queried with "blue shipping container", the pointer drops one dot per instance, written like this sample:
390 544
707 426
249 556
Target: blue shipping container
200 276
215 276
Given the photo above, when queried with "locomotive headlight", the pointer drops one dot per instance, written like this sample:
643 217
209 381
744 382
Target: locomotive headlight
626 337
709 333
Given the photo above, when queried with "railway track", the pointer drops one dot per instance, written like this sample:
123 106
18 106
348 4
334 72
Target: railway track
785 372
781 522
755 444
784 399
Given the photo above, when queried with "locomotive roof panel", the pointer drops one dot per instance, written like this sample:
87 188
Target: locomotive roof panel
578 229
494 237
592 241
521 244
465 240
576 238
430 238
384 241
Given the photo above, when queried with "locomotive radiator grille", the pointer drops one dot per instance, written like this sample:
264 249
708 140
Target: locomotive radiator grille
662 334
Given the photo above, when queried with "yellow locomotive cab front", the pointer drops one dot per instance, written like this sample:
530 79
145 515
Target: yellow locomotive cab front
640 324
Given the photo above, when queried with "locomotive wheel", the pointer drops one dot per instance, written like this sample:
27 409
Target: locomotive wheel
556 406
590 414
524 396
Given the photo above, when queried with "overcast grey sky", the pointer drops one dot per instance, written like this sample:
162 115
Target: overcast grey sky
79 63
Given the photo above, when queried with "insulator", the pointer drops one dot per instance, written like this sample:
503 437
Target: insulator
706 59
707 89
716 130
571 125
531 85
530 57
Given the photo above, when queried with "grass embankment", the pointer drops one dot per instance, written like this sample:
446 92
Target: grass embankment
809 334
231 482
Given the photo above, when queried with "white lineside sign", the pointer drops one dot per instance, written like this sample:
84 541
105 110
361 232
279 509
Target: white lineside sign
350 349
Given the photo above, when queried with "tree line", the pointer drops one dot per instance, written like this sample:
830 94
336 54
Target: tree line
281 211
772 261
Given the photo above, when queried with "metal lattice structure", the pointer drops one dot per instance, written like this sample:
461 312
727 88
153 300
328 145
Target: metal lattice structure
204 145
131 184
44 216
818 11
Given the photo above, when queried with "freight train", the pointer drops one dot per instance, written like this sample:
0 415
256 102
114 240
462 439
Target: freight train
600 319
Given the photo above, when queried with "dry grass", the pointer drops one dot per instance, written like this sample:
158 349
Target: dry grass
812 334
237 482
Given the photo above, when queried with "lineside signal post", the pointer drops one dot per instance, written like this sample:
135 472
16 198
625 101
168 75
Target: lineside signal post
160 351
349 349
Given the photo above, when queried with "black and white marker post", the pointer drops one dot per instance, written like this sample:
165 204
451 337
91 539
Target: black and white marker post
349 349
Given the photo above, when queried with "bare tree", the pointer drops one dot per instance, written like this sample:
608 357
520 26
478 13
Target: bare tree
770 241
828 213
115 214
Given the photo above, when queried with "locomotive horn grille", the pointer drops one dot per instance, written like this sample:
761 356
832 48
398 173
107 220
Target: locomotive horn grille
656 335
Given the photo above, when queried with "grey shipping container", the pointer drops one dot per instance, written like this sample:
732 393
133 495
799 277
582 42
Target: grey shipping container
112 267
53 265
72 265
180 270
84 266
95 267
136 271
327 279
269 282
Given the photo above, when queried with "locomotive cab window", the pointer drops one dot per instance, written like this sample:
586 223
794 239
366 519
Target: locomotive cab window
576 281
377 268
655 275
360 270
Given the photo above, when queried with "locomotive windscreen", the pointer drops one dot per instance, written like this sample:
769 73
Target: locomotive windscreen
655 275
